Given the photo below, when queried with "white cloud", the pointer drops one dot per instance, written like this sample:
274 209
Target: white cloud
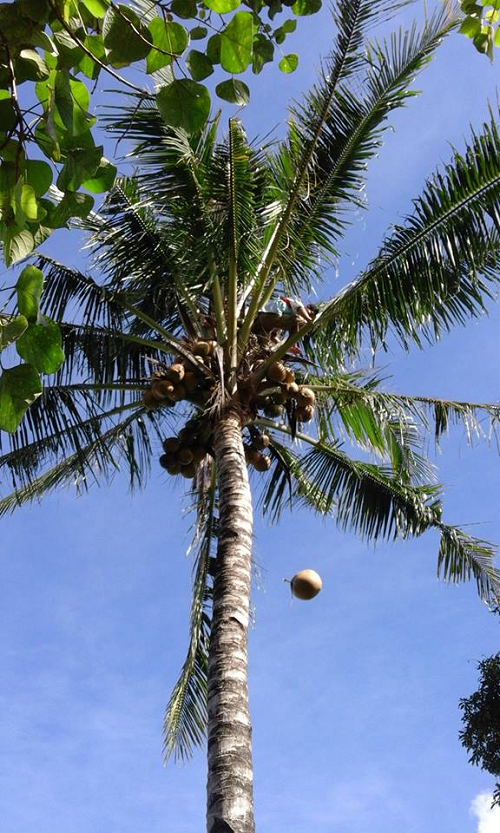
488 819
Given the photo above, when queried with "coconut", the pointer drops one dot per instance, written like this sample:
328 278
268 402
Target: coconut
201 348
272 410
179 392
185 456
306 396
291 389
190 470
290 376
199 453
149 400
252 455
277 372
165 460
174 468
306 584
171 445
190 381
305 413
263 463
261 441
162 389
176 372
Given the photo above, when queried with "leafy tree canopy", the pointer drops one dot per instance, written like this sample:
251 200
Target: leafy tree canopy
52 51
481 720
480 24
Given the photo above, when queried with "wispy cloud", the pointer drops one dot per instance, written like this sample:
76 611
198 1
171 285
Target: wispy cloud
488 819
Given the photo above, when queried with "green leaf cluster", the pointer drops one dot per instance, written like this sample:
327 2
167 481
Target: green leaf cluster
59 48
38 341
480 24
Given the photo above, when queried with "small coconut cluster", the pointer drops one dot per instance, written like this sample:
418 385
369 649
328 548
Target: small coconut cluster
278 389
253 452
185 452
181 381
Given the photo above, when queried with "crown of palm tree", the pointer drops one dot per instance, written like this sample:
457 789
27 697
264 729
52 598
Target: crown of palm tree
190 249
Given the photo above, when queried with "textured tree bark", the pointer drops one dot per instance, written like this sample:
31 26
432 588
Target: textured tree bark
230 774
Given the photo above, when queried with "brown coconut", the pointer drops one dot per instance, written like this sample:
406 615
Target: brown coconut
174 468
185 456
290 376
263 463
171 445
306 584
199 453
179 392
162 389
291 389
306 396
176 372
190 381
305 413
201 348
277 372
190 470
272 410
149 400
261 441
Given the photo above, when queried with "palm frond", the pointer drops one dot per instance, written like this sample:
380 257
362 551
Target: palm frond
439 268
462 557
127 444
186 716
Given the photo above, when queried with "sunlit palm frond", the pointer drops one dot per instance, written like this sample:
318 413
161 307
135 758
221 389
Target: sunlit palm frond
462 557
438 269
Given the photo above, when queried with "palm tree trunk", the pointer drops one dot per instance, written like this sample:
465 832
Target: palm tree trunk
230 775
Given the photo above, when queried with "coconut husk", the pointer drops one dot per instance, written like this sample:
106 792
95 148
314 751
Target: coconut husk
184 456
162 389
291 389
190 381
190 470
179 392
277 372
305 413
175 372
201 348
252 455
174 468
166 460
272 410
171 445
306 396
290 376
149 400
263 463
306 584
261 441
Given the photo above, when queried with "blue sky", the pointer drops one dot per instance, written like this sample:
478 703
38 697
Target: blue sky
354 695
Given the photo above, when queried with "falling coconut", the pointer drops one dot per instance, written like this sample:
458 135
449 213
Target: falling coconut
306 584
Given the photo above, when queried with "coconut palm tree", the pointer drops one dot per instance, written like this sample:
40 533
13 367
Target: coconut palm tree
166 345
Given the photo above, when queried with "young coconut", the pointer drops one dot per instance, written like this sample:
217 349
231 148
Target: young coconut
252 455
305 413
261 441
306 396
175 372
162 389
201 348
306 584
277 372
149 400
263 463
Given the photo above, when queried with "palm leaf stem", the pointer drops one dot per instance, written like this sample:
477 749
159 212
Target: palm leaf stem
220 321
232 297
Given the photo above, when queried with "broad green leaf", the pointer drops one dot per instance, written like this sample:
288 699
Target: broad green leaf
41 346
222 6
29 289
73 204
72 100
96 7
11 330
17 244
213 49
103 179
169 37
289 26
69 53
305 7
233 91
87 65
31 65
19 387
236 43
8 115
496 39
80 166
126 39
263 53
28 203
184 8
39 176
289 63
198 33
470 27
199 65
185 104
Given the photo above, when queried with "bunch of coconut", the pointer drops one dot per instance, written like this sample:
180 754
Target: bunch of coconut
253 452
180 381
280 387
185 453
